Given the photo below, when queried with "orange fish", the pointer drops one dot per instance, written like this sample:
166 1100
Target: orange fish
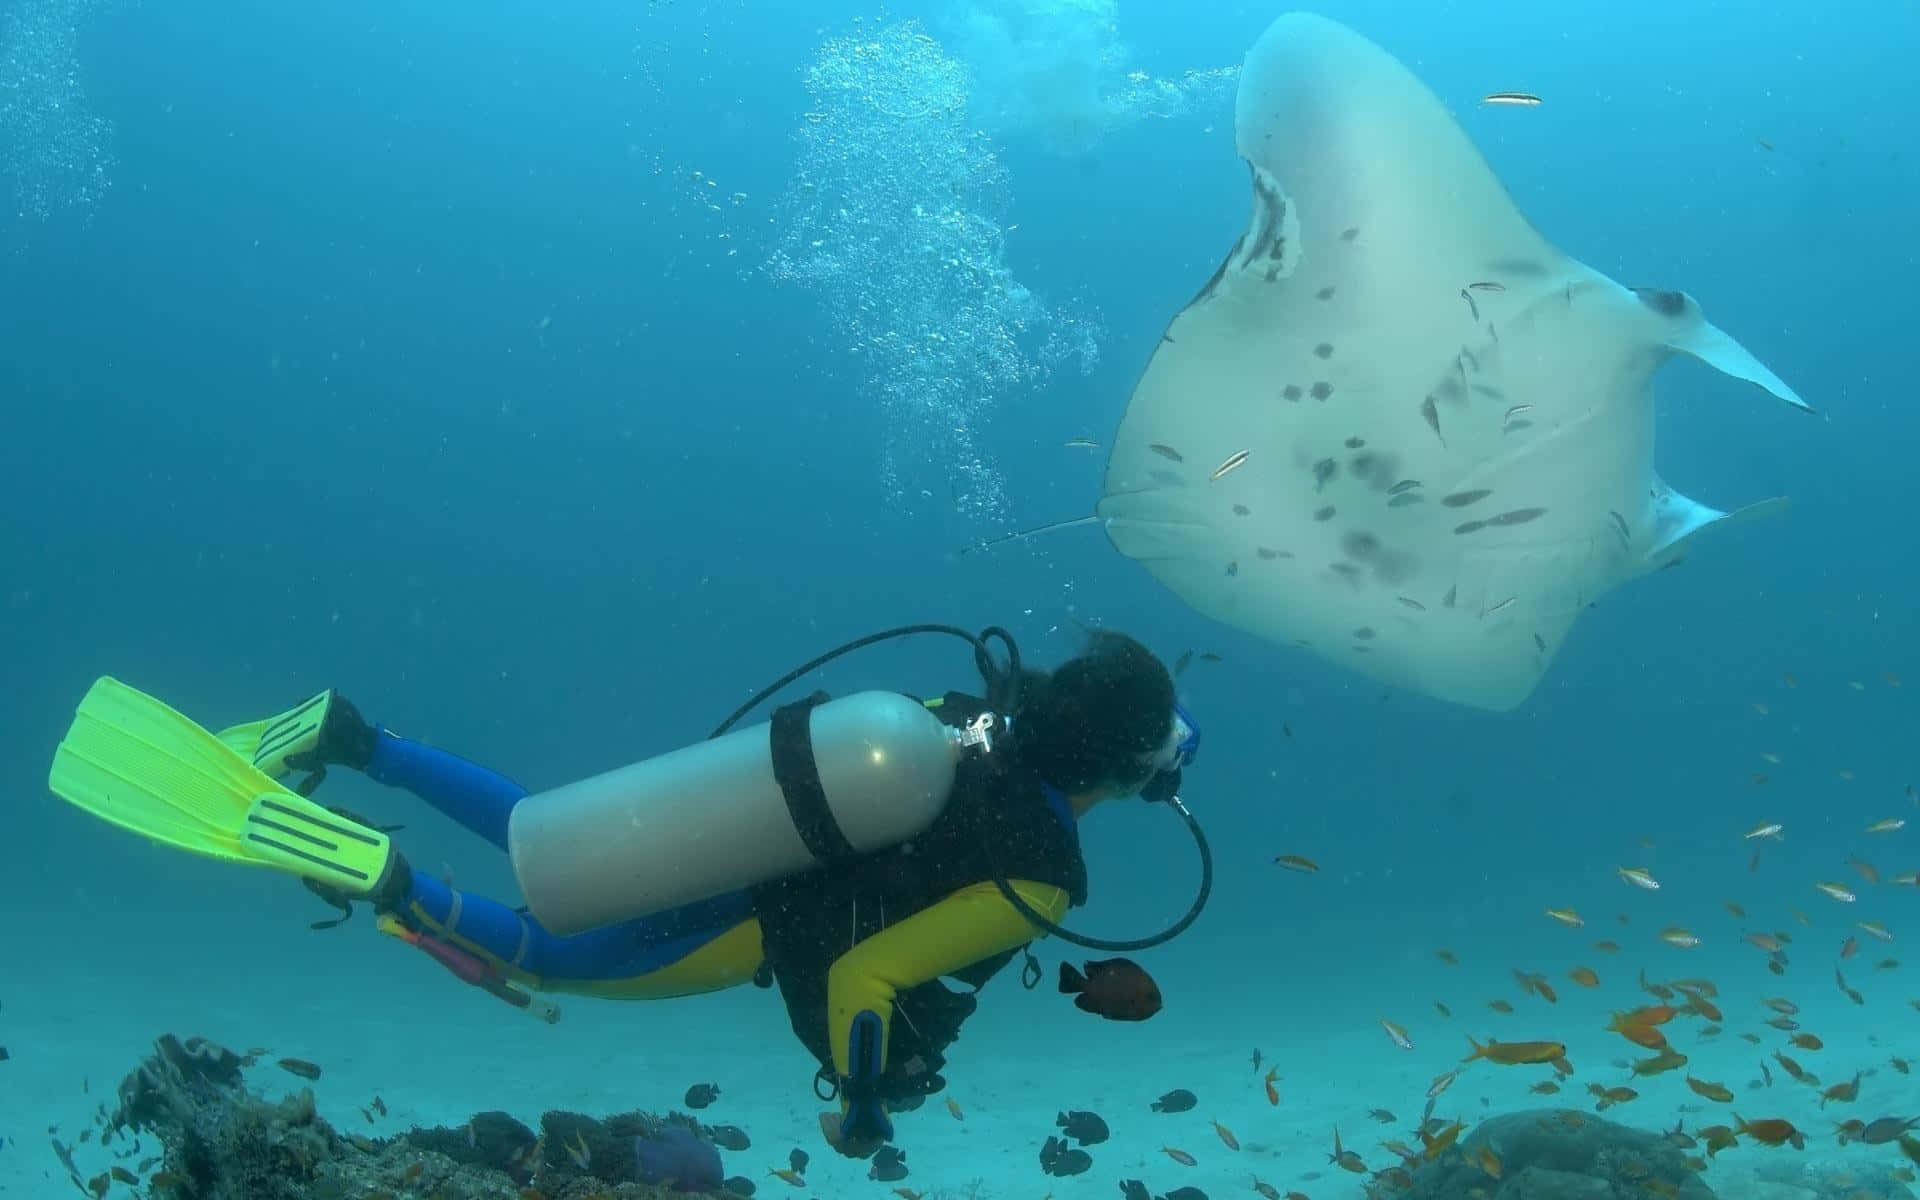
1437 1144
1636 1032
1513 1054
1397 1033
1770 1131
953 1106
1710 1089
791 1176
1584 976
1806 1041
1226 1136
1295 862
1273 1093
1653 1014
1179 1156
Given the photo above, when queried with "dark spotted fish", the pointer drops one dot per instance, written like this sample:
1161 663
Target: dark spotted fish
1114 988
1084 1127
1178 1100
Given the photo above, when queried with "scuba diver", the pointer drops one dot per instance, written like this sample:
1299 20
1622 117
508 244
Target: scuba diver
853 851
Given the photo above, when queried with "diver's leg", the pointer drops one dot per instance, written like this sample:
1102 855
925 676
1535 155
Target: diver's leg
327 730
627 953
478 798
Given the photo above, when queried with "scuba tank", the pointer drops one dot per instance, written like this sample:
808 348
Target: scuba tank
820 781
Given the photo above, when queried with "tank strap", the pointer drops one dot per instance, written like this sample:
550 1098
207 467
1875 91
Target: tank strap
799 778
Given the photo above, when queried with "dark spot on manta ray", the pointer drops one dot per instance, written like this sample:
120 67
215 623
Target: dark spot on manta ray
1292 391
1322 471
1462 499
1166 478
1363 633
1321 390
1325 293
1323 350
1354 443
1265 553
1233 568
1491 393
1359 544
1667 304
1347 235
1516 266
1324 513
1350 572
1540 642
1361 464
1241 510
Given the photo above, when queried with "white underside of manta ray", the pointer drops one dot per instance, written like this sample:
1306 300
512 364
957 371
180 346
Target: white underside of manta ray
1398 427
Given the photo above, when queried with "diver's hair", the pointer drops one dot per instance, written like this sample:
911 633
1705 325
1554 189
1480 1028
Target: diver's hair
1097 718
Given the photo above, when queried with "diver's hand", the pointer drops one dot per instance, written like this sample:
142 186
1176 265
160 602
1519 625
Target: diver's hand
852 1138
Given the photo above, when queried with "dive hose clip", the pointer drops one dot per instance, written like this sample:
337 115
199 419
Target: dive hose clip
980 732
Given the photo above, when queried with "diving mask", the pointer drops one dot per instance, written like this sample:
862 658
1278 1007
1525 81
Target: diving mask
1182 744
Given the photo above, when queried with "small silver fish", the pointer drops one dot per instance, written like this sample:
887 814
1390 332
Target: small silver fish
1512 99
1233 462
1082 444
1411 603
1515 411
1488 285
1405 485
1509 602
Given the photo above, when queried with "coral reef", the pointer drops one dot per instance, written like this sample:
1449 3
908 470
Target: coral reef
1555 1154
219 1141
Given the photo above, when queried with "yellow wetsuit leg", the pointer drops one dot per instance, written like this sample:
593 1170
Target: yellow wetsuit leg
728 960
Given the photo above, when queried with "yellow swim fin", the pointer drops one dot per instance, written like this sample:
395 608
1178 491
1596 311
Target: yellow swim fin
268 744
131 760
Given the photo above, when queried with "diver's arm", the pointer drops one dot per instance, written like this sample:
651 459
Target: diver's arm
973 923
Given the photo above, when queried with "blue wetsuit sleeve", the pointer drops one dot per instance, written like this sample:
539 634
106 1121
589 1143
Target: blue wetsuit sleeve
478 798
619 951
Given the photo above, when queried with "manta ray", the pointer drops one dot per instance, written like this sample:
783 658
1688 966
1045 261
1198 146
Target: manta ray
1398 428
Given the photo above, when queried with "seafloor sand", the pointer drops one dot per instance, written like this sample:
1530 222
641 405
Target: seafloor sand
382 1020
